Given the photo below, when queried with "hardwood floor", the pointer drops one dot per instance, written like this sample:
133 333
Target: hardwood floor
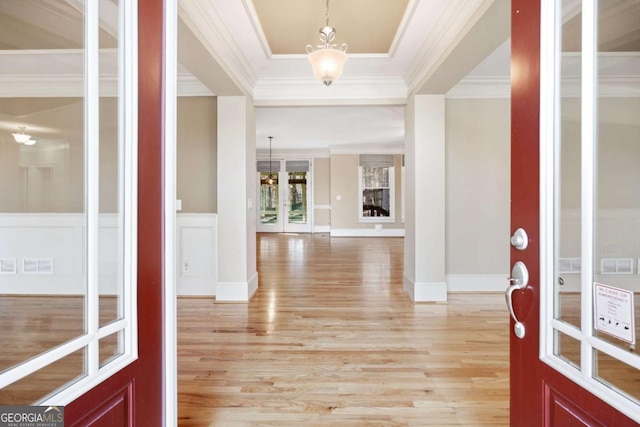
330 339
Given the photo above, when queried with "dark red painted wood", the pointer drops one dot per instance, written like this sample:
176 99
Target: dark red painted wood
147 373
540 396
526 384
114 411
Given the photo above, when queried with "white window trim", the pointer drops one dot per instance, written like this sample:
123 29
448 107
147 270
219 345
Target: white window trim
128 119
392 202
551 14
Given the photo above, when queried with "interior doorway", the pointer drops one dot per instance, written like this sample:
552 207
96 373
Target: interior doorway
284 195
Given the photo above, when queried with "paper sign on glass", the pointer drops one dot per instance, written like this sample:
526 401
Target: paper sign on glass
614 312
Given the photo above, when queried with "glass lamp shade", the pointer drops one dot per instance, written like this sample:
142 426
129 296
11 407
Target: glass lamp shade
21 138
327 64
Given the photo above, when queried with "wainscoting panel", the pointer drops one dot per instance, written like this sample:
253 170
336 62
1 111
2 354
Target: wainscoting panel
46 253
197 254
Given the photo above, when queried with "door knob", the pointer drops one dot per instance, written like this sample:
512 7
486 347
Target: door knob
519 280
520 240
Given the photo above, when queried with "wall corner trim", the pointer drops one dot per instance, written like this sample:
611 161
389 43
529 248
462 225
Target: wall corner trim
425 291
237 292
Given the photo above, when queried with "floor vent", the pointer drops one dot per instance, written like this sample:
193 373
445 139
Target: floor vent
37 265
8 266
616 266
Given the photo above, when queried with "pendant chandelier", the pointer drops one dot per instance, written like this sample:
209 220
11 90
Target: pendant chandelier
22 137
270 179
327 60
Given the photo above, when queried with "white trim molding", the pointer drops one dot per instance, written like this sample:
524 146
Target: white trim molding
319 229
425 291
237 292
306 91
367 232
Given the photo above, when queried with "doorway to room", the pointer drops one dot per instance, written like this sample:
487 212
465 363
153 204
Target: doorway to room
284 189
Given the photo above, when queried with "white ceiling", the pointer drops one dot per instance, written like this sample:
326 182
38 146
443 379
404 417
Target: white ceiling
455 47
433 41
427 46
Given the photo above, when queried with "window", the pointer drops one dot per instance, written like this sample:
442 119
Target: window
377 187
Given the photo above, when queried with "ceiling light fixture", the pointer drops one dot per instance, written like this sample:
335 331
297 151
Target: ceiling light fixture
23 138
327 61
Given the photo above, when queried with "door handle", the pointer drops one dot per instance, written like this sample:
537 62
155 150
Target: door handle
519 280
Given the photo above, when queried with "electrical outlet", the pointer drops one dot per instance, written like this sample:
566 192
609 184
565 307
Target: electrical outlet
186 268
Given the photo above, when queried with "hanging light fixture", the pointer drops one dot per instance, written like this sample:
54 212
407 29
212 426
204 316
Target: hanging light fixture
270 179
21 137
327 60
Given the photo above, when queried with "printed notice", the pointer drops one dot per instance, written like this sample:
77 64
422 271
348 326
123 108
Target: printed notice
614 312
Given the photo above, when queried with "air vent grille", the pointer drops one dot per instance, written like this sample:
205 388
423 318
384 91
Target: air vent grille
37 265
616 266
569 265
8 266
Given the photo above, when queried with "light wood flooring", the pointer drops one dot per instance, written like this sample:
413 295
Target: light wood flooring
330 339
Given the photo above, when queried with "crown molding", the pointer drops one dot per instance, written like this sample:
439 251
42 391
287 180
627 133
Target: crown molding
345 91
500 87
72 85
457 15
368 149
255 23
204 21
481 87
189 85
48 86
402 28
292 153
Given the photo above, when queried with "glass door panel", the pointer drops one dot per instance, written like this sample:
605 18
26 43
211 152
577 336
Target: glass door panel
568 170
297 209
297 196
616 244
596 214
269 203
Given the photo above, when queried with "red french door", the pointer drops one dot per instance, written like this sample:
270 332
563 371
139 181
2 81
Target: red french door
564 371
135 395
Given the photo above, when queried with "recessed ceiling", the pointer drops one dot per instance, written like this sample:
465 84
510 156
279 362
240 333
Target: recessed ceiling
366 26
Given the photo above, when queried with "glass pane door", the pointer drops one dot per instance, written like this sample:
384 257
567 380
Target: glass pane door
297 190
595 201
284 196
297 209
269 203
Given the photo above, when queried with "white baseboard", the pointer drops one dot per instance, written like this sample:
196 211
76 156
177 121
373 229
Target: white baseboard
239 292
196 286
367 232
322 229
477 282
425 291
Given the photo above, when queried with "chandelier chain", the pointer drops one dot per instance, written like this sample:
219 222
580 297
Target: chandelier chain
327 13
270 138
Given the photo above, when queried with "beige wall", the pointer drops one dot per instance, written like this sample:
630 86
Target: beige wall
478 186
197 154
321 191
58 127
344 184
618 153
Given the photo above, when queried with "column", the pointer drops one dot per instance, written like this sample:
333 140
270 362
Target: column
424 274
237 272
